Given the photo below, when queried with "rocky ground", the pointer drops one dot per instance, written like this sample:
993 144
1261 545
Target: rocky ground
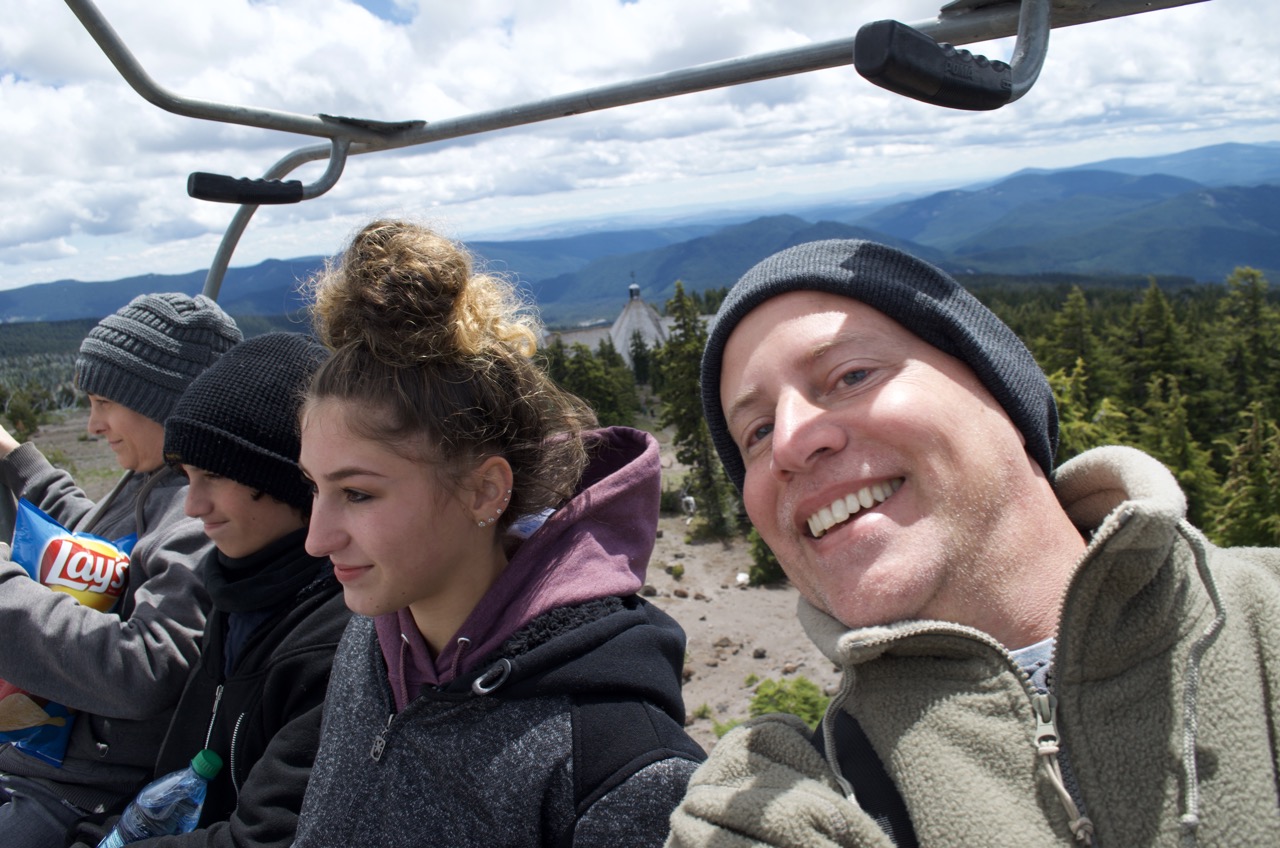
735 633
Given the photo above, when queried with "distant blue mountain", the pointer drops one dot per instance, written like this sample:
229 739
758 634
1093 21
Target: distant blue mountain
1197 214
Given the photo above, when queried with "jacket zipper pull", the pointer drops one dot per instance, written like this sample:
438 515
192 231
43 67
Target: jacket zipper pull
213 716
1047 749
380 741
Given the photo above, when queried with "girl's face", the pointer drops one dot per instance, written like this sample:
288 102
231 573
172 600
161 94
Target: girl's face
396 534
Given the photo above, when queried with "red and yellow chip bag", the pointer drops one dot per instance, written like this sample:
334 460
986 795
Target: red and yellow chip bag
90 569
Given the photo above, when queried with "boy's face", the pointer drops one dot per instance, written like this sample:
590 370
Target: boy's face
238 520
138 441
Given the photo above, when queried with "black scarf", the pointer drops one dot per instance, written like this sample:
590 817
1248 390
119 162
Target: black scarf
263 579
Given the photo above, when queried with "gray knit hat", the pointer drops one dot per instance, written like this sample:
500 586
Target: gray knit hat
147 353
915 294
239 419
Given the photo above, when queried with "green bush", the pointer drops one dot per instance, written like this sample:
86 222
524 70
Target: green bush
799 696
721 729
764 565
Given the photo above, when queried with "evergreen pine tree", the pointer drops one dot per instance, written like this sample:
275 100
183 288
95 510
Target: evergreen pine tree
556 357
1251 328
641 358
1164 432
679 363
1250 513
1080 427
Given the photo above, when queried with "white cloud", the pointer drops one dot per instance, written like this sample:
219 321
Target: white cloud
94 177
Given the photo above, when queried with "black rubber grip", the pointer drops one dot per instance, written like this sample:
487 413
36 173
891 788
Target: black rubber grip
906 61
221 189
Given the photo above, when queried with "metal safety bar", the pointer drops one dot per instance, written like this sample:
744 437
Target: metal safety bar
959 22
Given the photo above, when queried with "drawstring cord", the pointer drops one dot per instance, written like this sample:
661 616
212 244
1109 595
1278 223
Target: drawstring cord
1191 780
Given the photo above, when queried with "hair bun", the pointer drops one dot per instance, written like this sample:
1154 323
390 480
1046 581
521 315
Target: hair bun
408 295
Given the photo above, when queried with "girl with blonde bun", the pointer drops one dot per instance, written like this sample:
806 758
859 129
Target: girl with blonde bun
501 683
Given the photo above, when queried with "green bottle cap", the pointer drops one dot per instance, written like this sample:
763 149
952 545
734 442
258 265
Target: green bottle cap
207 764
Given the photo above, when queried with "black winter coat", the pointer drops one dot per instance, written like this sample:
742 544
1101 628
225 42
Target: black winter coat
263 721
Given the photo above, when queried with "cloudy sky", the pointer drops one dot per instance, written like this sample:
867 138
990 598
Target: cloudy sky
93 178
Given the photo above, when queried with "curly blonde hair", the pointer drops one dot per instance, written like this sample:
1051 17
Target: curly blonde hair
439 359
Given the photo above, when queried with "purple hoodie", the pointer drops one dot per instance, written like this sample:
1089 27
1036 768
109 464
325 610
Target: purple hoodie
597 545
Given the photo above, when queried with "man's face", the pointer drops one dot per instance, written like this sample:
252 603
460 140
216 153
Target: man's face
878 468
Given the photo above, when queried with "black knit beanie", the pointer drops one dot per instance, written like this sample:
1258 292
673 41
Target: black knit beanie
147 353
239 418
918 296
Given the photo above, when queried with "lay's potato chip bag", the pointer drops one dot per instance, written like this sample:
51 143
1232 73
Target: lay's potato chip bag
90 569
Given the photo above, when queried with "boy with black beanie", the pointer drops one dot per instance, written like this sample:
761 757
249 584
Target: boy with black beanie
278 612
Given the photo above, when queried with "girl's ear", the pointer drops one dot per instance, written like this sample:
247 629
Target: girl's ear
490 490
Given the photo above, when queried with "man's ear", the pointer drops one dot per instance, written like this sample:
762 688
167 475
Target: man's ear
490 490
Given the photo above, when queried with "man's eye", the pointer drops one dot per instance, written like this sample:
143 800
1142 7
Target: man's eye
759 433
852 378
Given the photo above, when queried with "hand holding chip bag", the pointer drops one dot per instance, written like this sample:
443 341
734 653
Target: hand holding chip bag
92 570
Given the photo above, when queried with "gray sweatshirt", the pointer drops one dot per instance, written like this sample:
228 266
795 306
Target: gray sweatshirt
122 670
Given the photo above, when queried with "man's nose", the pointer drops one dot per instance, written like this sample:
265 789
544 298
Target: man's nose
802 432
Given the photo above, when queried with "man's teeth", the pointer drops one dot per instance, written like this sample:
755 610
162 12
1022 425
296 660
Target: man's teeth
840 511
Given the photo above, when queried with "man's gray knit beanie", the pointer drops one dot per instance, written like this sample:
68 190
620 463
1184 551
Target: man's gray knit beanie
147 353
918 296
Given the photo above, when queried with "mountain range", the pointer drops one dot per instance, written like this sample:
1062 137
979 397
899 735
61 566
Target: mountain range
1197 214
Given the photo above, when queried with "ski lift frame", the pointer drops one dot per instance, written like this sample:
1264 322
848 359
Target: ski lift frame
917 60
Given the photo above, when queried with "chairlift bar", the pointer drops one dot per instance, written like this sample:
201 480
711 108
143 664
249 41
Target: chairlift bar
971 23
958 22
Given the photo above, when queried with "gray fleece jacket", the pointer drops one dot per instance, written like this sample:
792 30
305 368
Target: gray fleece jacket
1166 669
125 669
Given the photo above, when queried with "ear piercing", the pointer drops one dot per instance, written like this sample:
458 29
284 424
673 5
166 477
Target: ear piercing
486 522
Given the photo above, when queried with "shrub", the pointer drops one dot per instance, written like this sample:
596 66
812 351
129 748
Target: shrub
721 729
799 696
764 565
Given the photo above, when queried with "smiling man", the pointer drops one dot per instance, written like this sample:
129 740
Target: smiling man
1031 655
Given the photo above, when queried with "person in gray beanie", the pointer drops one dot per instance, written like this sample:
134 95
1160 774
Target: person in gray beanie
1031 654
278 613
121 670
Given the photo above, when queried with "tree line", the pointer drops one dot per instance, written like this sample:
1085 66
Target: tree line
1187 373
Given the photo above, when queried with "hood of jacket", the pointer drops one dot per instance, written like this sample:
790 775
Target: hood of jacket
596 545
609 648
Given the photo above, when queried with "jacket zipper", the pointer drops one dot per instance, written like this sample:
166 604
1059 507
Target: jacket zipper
217 699
235 733
1047 748
380 741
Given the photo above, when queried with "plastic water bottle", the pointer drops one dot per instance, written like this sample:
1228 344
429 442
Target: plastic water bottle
168 805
